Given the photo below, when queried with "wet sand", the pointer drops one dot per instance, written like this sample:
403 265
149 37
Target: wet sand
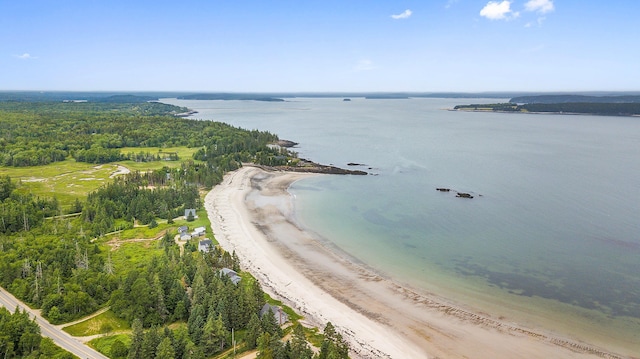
252 213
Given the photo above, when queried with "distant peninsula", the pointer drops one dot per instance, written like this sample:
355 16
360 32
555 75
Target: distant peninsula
564 104
231 96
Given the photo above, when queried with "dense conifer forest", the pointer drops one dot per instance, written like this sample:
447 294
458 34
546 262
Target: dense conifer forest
114 247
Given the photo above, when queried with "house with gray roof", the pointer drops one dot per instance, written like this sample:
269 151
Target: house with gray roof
191 211
205 245
281 316
235 277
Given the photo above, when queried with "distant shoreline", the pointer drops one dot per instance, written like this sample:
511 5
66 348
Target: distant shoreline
543 113
565 108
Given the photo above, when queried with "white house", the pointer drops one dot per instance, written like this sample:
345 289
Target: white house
198 232
205 245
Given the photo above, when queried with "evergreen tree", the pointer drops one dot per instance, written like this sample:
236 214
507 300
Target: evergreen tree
299 347
165 350
193 351
118 349
137 337
270 325
214 335
196 322
151 342
333 345
254 330
264 347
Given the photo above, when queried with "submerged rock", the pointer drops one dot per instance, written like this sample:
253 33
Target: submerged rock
464 195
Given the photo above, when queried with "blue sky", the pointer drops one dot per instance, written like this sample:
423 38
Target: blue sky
270 46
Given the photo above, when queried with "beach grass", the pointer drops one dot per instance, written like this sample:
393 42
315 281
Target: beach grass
104 323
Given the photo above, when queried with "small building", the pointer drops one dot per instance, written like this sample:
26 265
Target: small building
190 211
185 236
281 316
182 229
235 277
205 245
198 232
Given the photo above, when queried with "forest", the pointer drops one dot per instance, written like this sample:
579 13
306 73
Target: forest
113 248
590 108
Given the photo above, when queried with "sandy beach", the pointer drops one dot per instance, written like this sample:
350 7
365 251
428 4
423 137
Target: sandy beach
252 213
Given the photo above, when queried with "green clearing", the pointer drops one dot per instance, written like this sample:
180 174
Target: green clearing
68 179
184 153
104 323
126 256
103 344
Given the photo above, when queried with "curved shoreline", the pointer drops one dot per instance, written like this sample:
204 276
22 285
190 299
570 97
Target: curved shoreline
251 212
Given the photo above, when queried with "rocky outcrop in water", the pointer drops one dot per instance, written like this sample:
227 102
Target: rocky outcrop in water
287 143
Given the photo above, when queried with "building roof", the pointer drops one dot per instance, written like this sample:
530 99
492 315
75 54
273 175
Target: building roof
192 211
205 245
281 316
235 278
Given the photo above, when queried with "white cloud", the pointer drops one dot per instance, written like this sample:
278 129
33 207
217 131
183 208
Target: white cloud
365 65
541 6
404 15
25 56
498 10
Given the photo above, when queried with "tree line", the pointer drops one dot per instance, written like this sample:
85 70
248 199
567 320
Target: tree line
20 338
593 108
42 133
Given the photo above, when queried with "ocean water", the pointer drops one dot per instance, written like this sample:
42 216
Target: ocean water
551 238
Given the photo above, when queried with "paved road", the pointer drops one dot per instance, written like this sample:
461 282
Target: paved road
62 339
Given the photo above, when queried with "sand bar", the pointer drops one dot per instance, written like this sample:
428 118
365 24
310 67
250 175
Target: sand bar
252 213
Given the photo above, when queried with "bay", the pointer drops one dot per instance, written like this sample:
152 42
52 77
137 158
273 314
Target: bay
551 237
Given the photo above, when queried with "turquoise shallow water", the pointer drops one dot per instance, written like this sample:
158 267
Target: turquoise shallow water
553 228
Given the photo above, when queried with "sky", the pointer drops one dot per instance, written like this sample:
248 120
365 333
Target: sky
320 46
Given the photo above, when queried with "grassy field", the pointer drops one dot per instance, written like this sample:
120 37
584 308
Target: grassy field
104 323
133 254
68 180
103 344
